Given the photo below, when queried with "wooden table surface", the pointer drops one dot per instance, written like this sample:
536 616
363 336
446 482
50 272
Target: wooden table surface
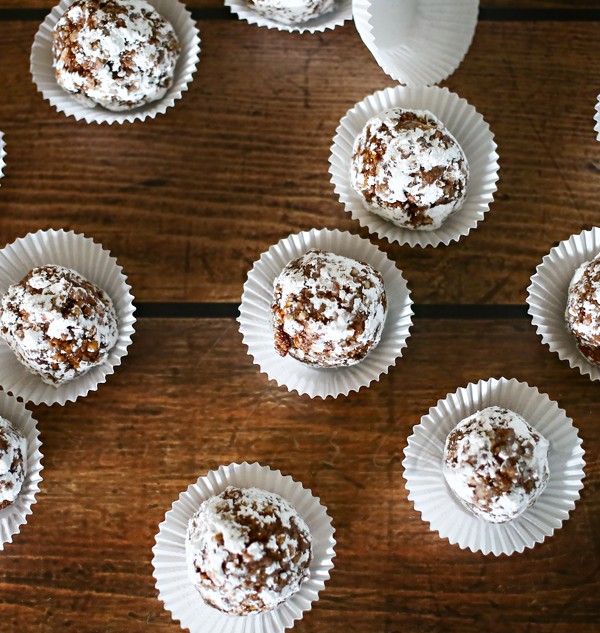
186 203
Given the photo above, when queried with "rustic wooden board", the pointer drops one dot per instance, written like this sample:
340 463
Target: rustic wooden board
187 202
188 399
540 4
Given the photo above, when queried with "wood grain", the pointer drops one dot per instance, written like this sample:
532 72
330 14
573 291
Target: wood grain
188 399
540 4
187 202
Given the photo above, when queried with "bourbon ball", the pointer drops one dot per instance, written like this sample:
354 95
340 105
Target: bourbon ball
409 169
58 324
291 12
248 550
496 464
583 309
119 54
328 310
13 462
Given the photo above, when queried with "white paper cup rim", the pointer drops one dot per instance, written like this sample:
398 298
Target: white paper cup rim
417 42
331 20
82 254
176 590
2 156
255 321
44 78
14 516
439 507
470 130
547 297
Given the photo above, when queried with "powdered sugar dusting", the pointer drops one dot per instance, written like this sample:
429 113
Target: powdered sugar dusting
291 11
119 54
13 462
328 310
409 169
582 313
248 550
58 324
496 463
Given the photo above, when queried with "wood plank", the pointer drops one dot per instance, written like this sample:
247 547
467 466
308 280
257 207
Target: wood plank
540 4
188 202
188 399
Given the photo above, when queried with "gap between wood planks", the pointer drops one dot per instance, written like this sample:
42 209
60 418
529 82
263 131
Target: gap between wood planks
175 310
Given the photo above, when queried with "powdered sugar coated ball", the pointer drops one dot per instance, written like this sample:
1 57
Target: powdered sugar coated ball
583 309
409 169
291 11
496 464
119 54
13 462
58 324
328 310
248 550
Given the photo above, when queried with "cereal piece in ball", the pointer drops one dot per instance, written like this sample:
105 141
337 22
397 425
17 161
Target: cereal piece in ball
291 12
248 550
409 169
13 462
583 309
496 464
119 54
58 324
328 310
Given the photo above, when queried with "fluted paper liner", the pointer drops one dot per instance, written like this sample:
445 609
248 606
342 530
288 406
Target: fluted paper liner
176 590
444 512
42 70
341 12
417 42
255 316
466 125
2 156
547 297
83 255
597 119
15 515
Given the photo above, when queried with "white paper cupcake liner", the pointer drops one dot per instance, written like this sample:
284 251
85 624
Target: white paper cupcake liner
597 119
2 156
337 17
443 511
89 259
547 297
44 78
417 42
15 515
255 316
466 125
176 590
